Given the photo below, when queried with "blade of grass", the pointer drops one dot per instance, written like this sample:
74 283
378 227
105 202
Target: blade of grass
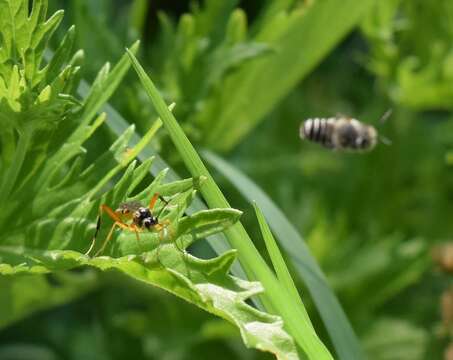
278 262
294 316
340 330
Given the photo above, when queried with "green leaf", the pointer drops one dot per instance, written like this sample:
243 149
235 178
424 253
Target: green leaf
204 283
207 222
105 84
414 64
62 56
226 59
340 330
295 317
23 38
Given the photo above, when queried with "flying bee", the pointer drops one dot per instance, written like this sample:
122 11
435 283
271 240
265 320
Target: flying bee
342 133
140 218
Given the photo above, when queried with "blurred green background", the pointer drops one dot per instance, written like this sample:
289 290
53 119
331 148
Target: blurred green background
371 219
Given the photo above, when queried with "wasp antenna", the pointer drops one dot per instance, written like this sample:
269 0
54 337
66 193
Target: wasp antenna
163 199
386 115
385 140
163 207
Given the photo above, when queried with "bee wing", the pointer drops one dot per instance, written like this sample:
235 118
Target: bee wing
342 116
386 115
385 140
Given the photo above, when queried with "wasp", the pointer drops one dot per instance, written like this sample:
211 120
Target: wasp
131 216
342 133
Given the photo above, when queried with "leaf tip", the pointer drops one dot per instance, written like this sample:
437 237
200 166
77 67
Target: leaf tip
134 47
59 13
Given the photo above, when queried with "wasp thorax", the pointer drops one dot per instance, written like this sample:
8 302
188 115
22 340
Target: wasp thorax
142 213
143 217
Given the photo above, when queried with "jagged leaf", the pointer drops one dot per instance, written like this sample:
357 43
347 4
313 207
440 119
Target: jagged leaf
204 283
207 222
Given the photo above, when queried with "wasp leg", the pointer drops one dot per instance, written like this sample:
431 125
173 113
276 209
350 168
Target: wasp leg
162 226
107 239
153 201
109 236
98 226
113 215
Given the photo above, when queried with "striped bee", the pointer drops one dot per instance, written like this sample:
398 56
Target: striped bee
342 133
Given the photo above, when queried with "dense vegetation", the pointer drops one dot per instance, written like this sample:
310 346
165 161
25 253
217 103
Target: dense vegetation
227 84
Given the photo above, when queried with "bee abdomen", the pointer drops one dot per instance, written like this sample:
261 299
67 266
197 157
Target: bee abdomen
318 130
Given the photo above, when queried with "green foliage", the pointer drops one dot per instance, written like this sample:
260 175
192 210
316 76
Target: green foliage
395 339
293 313
163 262
254 90
123 319
211 67
47 168
369 221
210 59
336 322
204 283
413 60
24 39
45 125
